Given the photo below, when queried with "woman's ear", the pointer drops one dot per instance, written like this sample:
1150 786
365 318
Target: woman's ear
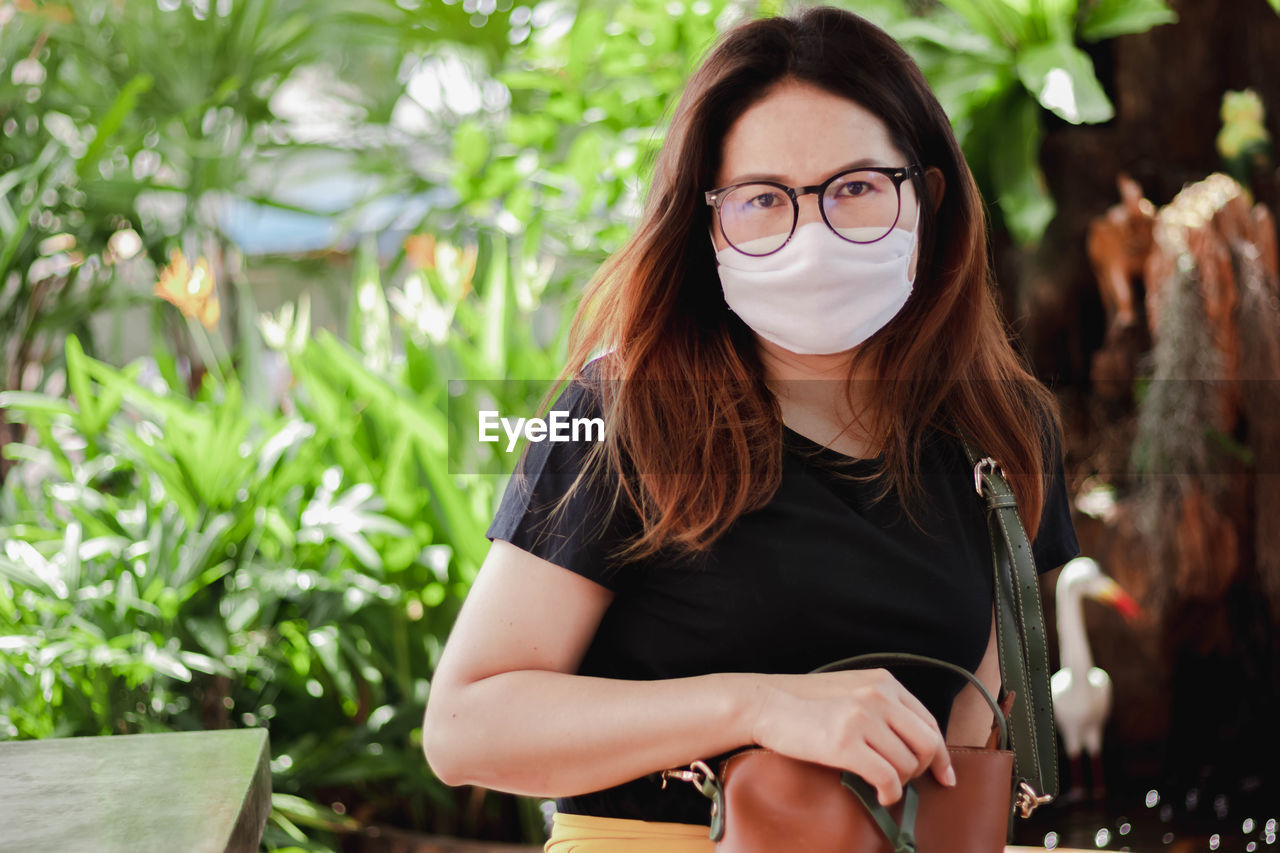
937 185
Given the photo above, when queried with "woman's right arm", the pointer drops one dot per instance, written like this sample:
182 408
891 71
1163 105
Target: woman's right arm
506 711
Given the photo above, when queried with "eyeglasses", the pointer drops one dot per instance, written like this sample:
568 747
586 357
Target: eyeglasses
860 205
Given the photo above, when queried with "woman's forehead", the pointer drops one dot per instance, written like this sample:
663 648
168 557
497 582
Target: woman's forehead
800 134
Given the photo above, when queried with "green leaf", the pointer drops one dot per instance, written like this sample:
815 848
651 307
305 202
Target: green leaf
250 368
126 596
163 661
324 642
210 633
310 814
290 435
19 573
397 487
521 79
71 555
768 8
18 643
995 19
289 829
1110 18
193 556
1014 151
942 32
204 663
358 546
965 84
497 306
584 41
30 401
38 176
124 104
462 527
1060 76
240 612
78 380
470 145
1054 20
370 323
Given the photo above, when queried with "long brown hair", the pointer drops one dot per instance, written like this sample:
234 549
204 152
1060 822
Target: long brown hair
693 432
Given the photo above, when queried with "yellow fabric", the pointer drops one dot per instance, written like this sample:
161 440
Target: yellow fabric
576 833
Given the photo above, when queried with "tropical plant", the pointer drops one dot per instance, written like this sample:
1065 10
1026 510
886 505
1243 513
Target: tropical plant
559 150
176 562
575 111
996 65
140 119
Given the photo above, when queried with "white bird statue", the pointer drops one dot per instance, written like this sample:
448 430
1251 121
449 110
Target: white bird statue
1082 691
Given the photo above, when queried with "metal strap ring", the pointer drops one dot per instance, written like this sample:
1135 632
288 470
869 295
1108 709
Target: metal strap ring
988 463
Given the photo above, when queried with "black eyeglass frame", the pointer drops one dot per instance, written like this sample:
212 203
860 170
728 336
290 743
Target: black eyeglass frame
898 175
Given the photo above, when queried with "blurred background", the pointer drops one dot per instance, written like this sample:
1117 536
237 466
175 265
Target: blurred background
245 246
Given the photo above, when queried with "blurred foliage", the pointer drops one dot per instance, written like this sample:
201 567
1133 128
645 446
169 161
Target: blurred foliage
566 158
539 120
119 115
997 65
568 155
311 552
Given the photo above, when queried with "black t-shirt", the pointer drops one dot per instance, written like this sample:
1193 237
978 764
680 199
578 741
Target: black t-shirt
822 572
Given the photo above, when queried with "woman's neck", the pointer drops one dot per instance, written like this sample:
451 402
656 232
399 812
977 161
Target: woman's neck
813 394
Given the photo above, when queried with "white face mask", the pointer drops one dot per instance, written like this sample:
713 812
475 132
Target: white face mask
820 294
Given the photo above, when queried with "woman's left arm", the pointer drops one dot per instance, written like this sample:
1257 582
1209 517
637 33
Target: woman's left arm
971 720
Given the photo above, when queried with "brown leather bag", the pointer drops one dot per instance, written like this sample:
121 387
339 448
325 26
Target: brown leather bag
763 802
759 783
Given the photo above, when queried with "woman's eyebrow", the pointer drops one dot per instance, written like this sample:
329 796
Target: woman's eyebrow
760 176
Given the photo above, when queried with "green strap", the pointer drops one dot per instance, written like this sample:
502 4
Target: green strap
713 790
901 837
1020 633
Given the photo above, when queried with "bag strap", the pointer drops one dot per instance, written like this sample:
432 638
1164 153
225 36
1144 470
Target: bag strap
903 838
1020 633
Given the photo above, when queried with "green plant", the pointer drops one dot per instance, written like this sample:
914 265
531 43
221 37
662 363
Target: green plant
585 88
996 64
178 562
139 119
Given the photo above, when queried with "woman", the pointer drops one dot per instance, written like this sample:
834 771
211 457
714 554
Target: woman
800 327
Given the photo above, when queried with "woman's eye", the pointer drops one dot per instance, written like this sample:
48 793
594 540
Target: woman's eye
764 201
854 188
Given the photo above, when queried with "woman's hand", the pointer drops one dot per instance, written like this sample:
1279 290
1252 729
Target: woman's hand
860 720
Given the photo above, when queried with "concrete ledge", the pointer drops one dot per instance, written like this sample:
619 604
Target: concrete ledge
192 791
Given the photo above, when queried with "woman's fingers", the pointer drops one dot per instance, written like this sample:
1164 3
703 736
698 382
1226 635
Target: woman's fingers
926 739
876 727
928 747
910 747
895 750
943 768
